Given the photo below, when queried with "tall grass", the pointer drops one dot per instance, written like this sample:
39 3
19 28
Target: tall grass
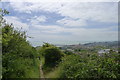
34 72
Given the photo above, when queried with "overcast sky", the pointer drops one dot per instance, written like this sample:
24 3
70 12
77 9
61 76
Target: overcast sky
64 22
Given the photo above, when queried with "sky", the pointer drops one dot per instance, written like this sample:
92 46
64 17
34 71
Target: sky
64 22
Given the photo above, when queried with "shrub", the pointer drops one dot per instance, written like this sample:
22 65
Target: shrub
79 66
52 56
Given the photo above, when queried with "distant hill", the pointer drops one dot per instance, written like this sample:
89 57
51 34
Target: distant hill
110 44
107 44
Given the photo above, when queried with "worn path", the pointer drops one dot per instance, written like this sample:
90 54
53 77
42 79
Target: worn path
41 72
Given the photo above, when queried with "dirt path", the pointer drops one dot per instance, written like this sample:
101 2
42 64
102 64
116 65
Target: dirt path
41 72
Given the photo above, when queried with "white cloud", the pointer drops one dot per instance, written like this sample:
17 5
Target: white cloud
95 11
36 7
61 0
49 29
16 22
101 12
79 33
72 23
37 19
41 18
50 34
75 14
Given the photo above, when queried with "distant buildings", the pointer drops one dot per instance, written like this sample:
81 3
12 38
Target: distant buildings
103 51
71 50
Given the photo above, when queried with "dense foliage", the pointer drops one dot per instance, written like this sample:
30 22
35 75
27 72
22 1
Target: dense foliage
52 54
2 23
19 57
90 66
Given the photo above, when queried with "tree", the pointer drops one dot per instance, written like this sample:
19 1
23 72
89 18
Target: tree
18 56
52 56
51 53
2 22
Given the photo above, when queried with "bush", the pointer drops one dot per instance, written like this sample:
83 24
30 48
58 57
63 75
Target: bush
79 66
18 55
52 56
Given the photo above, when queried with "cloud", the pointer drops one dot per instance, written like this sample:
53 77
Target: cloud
61 0
72 19
92 11
37 19
101 12
16 22
72 23
35 7
50 34
49 29
41 18
103 33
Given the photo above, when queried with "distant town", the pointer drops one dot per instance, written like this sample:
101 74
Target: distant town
96 47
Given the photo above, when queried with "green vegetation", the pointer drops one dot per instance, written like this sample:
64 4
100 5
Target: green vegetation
92 66
21 60
19 57
81 65
51 56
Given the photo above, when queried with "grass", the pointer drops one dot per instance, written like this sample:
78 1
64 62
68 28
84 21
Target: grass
55 73
42 59
52 73
34 72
